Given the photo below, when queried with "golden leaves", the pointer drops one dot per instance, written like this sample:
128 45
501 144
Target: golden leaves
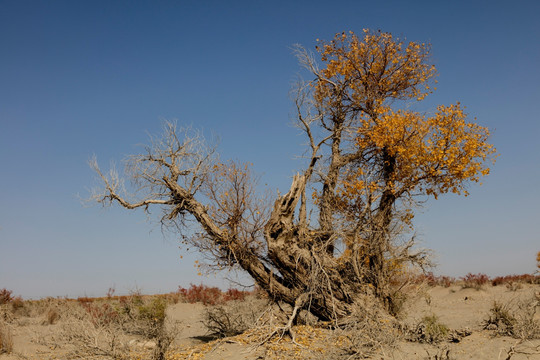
432 155
366 72
398 151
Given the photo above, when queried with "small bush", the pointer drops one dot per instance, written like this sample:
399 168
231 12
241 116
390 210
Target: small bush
429 330
234 294
5 296
527 325
517 321
152 316
475 281
147 317
500 319
210 295
93 333
233 317
201 293
17 303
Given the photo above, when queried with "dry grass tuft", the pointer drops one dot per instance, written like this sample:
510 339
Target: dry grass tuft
518 320
6 339
368 330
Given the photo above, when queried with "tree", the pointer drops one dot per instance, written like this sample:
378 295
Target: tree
370 159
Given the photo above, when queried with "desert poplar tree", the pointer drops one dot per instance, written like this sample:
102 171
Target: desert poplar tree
341 229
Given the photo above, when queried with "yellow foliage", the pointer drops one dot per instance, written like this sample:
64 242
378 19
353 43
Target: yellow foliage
370 71
401 152
433 155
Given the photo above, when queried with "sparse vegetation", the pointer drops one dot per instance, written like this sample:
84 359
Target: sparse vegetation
233 317
137 326
500 319
429 330
521 279
516 319
475 281
210 295
6 339
369 330
201 293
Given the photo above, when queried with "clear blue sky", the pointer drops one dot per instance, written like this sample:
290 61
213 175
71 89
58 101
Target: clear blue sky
93 77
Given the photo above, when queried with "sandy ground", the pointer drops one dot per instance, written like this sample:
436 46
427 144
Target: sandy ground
457 308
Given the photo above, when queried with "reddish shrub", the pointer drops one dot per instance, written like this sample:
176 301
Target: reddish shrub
524 278
100 314
446 281
5 296
234 294
475 281
201 293
210 295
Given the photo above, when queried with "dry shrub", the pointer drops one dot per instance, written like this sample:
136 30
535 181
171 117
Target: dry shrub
517 319
527 325
52 316
101 314
35 308
500 319
474 281
210 295
233 317
17 303
6 339
91 335
49 309
369 329
173 297
410 287
429 330
103 327
148 318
